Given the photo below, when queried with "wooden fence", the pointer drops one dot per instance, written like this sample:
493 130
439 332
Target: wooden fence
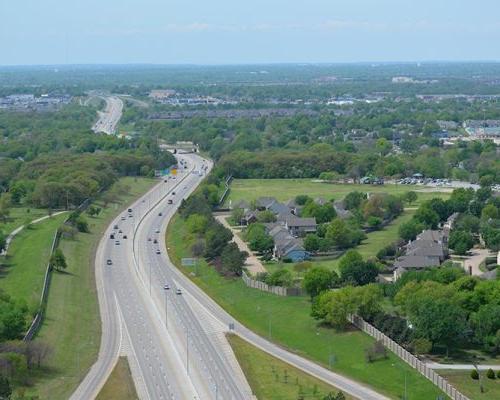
408 358
277 290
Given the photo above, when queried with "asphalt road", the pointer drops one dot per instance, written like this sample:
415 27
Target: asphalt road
109 118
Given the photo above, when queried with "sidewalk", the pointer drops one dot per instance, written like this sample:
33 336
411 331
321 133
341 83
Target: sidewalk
252 264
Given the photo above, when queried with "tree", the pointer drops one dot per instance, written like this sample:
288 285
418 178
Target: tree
232 259
302 199
216 238
342 235
5 389
198 248
409 230
490 374
489 212
81 224
93 211
356 271
280 277
353 200
474 374
317 280
5 203
460 241
311 242
237 215
427 216
58 260
421 346
266 216
196 223
410 197
3 241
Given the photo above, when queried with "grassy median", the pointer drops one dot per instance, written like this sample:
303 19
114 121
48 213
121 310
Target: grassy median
287 321
120 385
72 322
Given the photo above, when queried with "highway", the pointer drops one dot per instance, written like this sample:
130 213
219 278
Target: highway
109 118
175 342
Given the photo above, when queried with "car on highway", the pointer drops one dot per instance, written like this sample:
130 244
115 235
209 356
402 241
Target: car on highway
129 210
157 230
166 286
170 201
109 262
149 239
112 236
178 291
115 227
155 241
125 236
158 251
123 218
117 242
120 231
130 215
173 193
160 214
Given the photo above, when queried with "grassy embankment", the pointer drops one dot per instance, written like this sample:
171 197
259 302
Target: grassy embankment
273 379
72 322
287 321
120 385
23 270
21 216
471 388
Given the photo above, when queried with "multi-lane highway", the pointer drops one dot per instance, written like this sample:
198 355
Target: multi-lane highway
172 332
109 118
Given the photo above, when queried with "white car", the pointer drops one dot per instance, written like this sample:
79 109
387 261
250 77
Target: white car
157 230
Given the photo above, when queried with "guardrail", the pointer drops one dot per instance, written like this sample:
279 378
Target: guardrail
408 358
226 190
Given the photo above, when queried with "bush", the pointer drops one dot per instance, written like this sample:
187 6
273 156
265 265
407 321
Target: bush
490 374
474 374
498 374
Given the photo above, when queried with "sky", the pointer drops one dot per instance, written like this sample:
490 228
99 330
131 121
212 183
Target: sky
247 31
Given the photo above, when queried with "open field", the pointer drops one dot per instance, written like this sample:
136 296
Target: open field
120 385
471 388
273 379
23 272
287 321
285 189
72 322
20 216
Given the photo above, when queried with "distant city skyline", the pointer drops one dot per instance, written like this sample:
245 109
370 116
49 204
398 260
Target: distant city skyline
244 32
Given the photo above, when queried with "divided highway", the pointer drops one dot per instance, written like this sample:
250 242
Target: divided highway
109 118
172 332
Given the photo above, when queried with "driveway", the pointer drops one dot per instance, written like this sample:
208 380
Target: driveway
252 264
475 260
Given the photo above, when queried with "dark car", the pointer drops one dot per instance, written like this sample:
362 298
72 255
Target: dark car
158 251
124 236
173 193
112 236
155 241
129 210
170 201
109 262
160 214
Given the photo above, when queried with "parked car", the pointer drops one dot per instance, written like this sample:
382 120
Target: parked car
112 236
166 286
160 214
115 227
170 201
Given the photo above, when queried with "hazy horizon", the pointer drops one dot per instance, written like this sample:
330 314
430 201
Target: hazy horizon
194 32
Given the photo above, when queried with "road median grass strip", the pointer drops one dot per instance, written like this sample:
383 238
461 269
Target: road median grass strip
120 385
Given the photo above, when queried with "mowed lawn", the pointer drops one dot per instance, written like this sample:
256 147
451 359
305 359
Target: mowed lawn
273 379
471 388
23 270
120 385
287 321
285 189
72 322
21 216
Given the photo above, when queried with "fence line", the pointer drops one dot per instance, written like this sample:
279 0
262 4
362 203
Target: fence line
226 190
277 290
37 320
409 358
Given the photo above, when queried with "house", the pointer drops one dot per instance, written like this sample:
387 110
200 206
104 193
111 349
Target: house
285 245
294 208
249 217
243 204
414 262
263 203
342 213
300 226
279 209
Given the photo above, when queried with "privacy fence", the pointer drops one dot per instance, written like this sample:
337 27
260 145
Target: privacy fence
37 320
409 358
278 290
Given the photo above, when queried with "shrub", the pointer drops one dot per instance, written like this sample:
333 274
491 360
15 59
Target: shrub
490 374
474 374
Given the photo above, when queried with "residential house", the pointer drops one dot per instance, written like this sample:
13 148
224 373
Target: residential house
300 226
263 203
339 207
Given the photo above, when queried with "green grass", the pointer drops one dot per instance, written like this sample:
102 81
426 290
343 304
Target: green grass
287 321
471 388
285 189
20 216
273 379
120 385
72 322
23 271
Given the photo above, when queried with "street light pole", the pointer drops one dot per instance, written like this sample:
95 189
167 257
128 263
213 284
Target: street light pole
187 350
166 308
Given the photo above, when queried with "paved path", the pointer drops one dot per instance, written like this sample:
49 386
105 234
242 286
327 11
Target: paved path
252 263
20 228
475 260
